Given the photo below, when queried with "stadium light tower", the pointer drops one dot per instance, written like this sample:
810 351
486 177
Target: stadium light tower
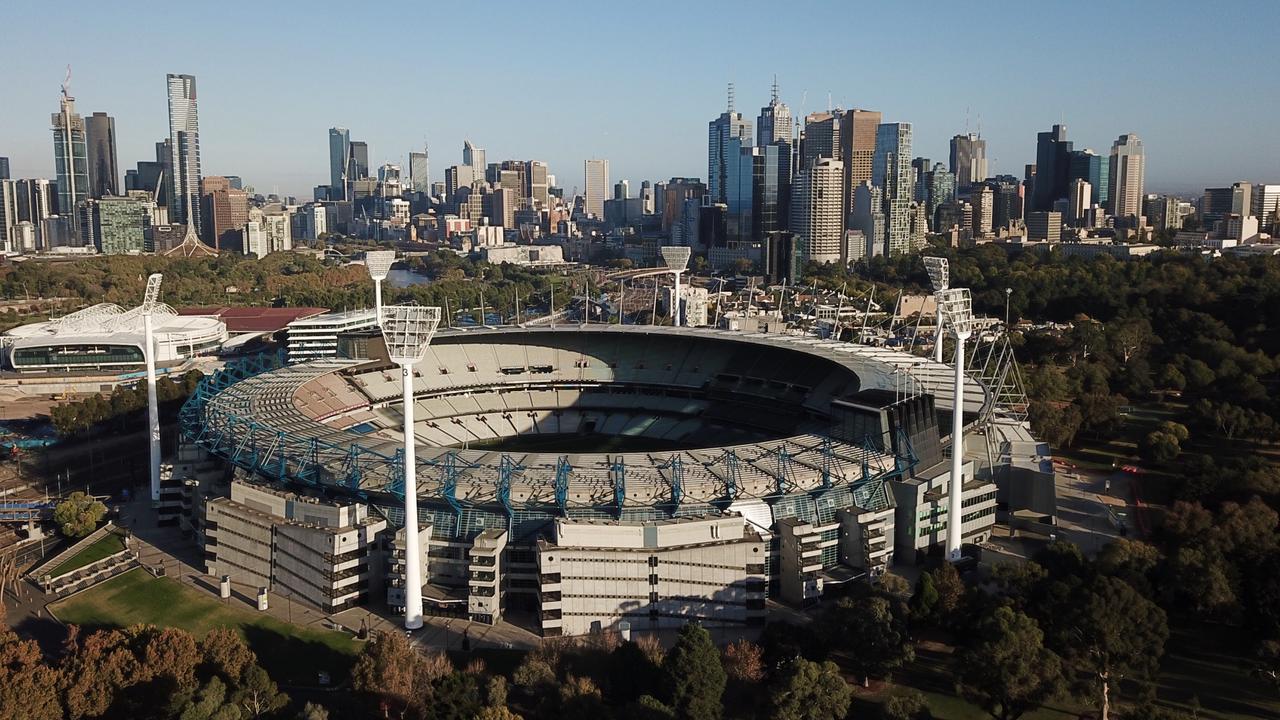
407 331
676 258
957 311
149 300
379 264
939 278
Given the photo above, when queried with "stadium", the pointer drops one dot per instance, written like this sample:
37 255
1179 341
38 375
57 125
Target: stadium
107 338
577 477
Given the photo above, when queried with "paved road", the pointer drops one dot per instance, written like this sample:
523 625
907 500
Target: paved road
1090 502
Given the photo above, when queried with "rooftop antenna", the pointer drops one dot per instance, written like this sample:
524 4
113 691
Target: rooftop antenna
773 95
66 84
828 102
979 124
966 119
730 98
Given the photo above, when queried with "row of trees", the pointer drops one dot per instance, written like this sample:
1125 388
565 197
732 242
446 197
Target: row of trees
123 407
139 673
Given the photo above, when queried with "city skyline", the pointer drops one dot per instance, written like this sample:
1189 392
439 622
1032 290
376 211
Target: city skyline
262 121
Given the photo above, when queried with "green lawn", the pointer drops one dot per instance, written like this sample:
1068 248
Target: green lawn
291 653
107 545
1207 662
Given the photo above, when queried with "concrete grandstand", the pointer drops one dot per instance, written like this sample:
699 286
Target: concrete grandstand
582 476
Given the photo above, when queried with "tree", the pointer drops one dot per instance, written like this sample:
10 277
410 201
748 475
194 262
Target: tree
1160 447
632 673
78 515
950 591
744 662
1008 671
811 691
895 584
455 696
313 711
258 693
872 630
226 654
1133 561
924 601
909 706
390 670
1106 632
695 679
28 687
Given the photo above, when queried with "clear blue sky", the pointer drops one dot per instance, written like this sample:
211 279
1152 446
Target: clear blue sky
637 82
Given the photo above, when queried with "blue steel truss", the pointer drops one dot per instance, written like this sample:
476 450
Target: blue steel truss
563 472
732 477
507 470
784 473
676 466
618 473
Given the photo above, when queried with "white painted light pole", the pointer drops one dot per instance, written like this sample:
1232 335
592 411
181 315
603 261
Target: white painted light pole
676 258
149 300
407 331
379 263
957 311
939 278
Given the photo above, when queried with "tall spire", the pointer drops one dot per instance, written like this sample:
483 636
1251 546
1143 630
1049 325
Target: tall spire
773 95
730 98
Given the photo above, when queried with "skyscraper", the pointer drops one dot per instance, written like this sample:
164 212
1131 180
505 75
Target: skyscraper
358 164
473 156
420 171
891 171
984 209
1266 203
70 154
857 150
339 153
817 203
729 126
226 210
1128 167
184 152
940 188
4 168
775 122
538 186
596 173
1052 152
104 171
821 138
1094 169
1081 200
968 159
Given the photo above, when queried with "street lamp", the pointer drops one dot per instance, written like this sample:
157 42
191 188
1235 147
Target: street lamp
956 307
939 278
149 300
407 331
676 258
379 263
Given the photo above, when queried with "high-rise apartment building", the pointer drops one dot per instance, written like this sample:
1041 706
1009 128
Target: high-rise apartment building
940 187
891 171
1127 176
339 155
1052 166
9 242
184 152
120 223
70 155
104 171
857 150
968 159
596 174
419 171
983 201
775 121
817 202
721 132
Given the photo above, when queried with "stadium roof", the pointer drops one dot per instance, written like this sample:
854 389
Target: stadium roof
241 320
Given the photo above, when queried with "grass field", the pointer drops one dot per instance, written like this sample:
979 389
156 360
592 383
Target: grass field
107 545
291 653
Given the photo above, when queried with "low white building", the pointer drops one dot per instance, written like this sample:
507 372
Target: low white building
317 337
529 255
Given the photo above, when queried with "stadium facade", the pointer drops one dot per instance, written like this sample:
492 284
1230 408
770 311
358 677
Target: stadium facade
581 476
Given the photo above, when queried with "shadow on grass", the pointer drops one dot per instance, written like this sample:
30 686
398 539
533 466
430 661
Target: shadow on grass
291 660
